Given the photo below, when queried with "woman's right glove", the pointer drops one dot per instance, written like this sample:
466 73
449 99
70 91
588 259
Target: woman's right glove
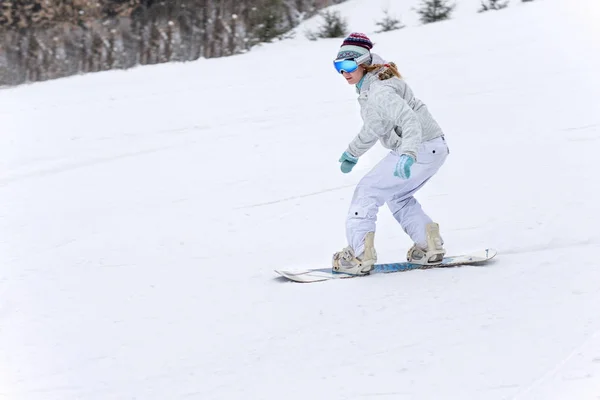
348 162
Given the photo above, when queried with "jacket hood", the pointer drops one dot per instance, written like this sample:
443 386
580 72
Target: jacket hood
371 76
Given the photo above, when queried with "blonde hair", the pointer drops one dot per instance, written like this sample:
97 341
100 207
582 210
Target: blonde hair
388 70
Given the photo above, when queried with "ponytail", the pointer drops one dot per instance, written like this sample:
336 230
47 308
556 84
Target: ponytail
389 70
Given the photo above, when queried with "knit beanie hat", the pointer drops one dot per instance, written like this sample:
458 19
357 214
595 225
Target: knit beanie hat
354 46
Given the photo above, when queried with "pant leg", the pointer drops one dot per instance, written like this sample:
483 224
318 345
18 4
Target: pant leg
373 190
412 218
380 186
404 207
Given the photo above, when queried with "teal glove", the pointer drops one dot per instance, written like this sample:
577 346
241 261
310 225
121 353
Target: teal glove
348 162
403 166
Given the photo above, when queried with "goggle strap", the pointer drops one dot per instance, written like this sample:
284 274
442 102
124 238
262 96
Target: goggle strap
363 58
358 60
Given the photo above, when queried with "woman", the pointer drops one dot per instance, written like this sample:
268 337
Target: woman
402 123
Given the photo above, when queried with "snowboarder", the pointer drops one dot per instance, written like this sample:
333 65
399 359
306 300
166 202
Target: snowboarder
402 123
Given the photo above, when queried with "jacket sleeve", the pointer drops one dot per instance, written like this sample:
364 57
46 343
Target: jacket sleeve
386 110
365 139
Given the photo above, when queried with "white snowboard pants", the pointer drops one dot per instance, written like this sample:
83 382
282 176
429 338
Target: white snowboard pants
380 186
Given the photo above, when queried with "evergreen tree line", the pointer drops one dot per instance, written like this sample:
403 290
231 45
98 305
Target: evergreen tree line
47 39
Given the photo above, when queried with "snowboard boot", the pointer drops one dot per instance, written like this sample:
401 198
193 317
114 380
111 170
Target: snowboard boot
347 262
434 253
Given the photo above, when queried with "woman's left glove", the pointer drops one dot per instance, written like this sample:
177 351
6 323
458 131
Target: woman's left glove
348 162
402 169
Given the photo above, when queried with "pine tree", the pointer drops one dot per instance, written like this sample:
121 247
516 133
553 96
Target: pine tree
493 5
333 26
435 10
389 23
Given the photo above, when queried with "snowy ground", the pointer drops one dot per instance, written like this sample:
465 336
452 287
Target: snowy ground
142 213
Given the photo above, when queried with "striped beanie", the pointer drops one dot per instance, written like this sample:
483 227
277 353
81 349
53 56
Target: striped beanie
354 46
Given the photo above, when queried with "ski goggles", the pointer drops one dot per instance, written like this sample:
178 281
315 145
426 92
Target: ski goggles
350 65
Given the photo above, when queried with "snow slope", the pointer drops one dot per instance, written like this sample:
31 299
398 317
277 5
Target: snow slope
142 213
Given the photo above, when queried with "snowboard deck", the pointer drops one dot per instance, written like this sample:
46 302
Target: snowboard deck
325 274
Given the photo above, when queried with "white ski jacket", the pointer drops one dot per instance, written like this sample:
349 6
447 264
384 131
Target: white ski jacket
393 115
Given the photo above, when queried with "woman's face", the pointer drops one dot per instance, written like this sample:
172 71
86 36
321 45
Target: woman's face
354 77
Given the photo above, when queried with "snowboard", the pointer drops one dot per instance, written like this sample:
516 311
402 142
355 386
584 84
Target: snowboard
324 274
